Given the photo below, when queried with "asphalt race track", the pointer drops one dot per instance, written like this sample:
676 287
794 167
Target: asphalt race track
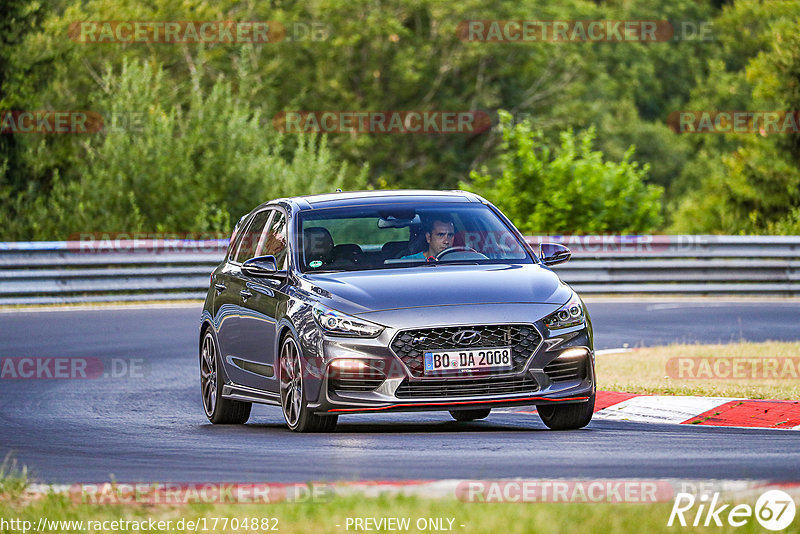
147 423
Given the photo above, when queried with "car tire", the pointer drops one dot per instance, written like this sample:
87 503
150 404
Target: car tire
294 405
220 411
470 415
567 416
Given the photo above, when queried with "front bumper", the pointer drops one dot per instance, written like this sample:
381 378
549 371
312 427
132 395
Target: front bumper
559 370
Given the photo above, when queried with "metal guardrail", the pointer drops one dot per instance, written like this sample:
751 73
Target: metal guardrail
70 271
682 264
55 272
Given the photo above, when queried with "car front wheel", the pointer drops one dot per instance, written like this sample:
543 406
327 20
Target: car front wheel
293 398
567 416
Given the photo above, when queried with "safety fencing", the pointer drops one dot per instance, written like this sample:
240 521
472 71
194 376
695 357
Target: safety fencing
135 270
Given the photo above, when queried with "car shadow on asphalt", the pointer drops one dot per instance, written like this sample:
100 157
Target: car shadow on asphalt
389 426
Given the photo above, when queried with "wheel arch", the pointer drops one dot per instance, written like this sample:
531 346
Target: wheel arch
205 326
284 328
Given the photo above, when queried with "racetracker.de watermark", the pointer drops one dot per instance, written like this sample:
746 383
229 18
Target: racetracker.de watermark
624 244
193 32
178 493
733 368
565 491
44 121
143 31
735 122
71 122
72 368
382 122
147 242
583 31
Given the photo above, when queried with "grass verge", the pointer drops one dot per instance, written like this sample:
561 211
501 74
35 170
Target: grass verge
13 480
706 370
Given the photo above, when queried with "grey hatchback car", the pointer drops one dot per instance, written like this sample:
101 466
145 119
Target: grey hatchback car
381 301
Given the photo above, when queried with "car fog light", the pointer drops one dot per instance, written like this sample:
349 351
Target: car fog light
349 365
577 352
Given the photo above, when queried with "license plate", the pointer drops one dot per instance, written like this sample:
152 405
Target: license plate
478 359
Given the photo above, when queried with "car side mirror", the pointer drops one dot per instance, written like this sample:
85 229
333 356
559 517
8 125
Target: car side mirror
263 267
553 253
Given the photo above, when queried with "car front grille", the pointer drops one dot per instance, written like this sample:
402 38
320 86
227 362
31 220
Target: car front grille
562 370
409 345
466 387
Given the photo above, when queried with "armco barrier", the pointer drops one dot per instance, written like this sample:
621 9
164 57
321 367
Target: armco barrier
70 271
62 272
681 264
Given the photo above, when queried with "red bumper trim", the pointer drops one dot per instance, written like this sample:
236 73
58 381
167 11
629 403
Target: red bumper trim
412 405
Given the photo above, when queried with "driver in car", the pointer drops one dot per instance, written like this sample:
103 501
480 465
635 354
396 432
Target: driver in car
439 237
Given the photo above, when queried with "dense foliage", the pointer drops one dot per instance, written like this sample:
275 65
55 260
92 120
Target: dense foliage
568 188
197 146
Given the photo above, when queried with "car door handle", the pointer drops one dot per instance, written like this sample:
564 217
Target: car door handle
220 288
245 294
260 289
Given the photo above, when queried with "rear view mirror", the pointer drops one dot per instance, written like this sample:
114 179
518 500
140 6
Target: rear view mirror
553 253
394 222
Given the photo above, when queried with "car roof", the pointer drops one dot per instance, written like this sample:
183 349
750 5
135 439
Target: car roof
381 196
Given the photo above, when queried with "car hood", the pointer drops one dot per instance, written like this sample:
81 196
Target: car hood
360 292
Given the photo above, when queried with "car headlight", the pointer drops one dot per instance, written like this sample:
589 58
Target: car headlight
340 324
570 314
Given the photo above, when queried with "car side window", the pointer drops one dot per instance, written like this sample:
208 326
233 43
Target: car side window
274 241
236 238
251 237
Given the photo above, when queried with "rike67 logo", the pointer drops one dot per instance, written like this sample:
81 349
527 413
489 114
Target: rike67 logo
774 510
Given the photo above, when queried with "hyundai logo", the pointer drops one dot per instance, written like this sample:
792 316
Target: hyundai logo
466 337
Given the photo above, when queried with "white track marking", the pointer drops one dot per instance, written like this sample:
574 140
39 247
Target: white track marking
660 409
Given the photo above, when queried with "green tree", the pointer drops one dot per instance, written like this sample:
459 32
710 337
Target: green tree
400 55
753 183
181 168
388 55
569 188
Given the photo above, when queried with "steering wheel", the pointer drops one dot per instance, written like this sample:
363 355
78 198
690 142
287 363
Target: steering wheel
459 249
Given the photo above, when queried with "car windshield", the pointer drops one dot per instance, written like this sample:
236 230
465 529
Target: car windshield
385 237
